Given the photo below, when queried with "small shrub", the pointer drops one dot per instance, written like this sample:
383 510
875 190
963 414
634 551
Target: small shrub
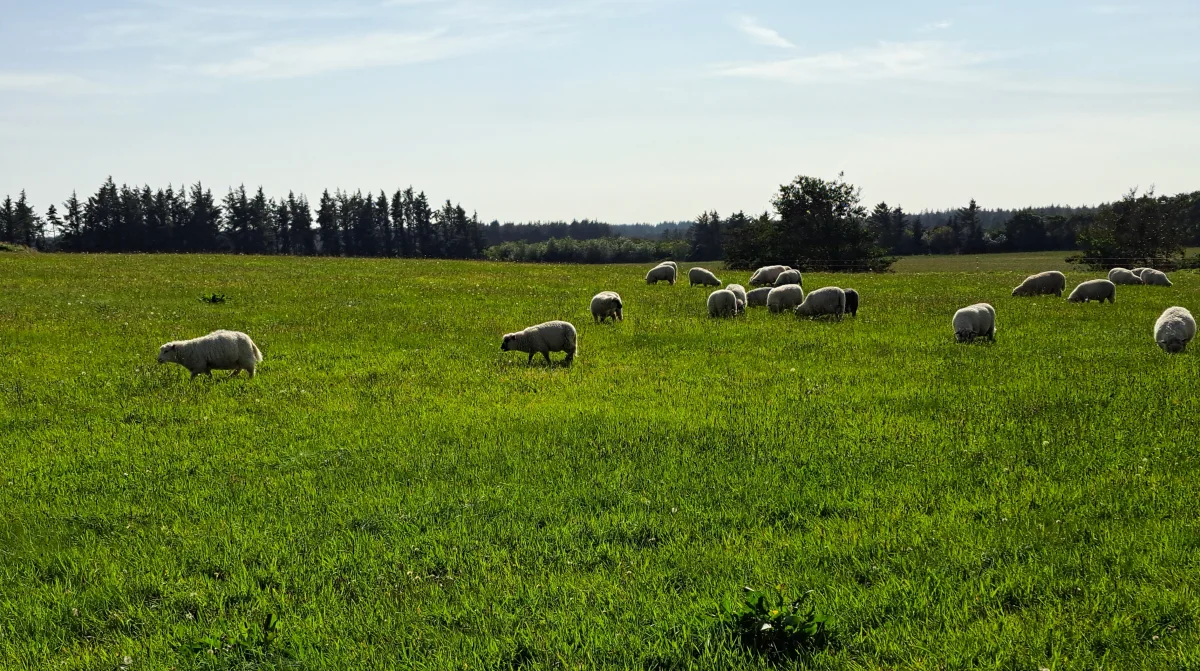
770 625
213 299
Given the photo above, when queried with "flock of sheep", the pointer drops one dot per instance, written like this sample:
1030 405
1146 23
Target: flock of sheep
779 288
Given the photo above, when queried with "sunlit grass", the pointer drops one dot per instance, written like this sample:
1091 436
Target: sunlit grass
402 494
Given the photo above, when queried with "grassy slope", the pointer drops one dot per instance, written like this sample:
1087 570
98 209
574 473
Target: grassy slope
402 493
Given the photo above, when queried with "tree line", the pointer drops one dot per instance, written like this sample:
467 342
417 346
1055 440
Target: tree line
815 224
139 219
820 224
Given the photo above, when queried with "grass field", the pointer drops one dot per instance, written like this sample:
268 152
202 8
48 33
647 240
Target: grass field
401 494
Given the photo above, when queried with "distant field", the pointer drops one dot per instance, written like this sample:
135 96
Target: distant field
402 494
1032 262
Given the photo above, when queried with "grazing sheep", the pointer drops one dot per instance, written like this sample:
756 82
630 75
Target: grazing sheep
723 303
1042 284
1155 278
663 272
758 297
1174 329
1094 290
219 350
789 277
975 321
739 291
784 298
1139 271
703 277
607 304
1123 276
824 301
766 275
851 302
555 336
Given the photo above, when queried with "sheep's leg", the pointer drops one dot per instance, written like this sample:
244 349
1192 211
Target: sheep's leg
195 374
546 353
530 362
235 372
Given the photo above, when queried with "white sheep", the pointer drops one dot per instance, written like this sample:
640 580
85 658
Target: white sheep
607 304
975 321
1174 329
663 272
1155 278
555 336
703 277
1139 271
758 297
1049 282
1123 276
219 350
738 291
1094 290
766 275
824 301
789 276
784 298
723 303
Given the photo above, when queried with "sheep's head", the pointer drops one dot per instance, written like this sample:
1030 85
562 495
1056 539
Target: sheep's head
1017 291
964 336
168 352
507 344
1172 346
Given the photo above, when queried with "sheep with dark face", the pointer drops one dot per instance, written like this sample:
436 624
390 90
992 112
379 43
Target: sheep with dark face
823 301
703 277
851 302
605 305
1094 290
219 350
975 321
1175 328
1042 284
555 336
758 297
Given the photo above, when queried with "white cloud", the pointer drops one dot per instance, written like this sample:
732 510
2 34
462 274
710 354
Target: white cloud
761 34
937 25
299 59
919 61
39 82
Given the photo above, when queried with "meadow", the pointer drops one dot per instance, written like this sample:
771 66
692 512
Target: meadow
396 492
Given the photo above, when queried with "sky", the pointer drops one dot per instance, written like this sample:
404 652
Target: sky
618 110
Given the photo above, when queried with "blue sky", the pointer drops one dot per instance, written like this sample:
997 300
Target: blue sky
622 110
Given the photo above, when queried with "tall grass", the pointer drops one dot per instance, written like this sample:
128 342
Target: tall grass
400 493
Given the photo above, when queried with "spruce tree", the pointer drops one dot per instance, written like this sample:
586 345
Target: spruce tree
327 223
384 227
54 225
283 225
71 237
8 218
400 222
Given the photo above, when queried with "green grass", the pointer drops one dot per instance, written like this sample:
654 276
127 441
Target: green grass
402 494
1022 262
